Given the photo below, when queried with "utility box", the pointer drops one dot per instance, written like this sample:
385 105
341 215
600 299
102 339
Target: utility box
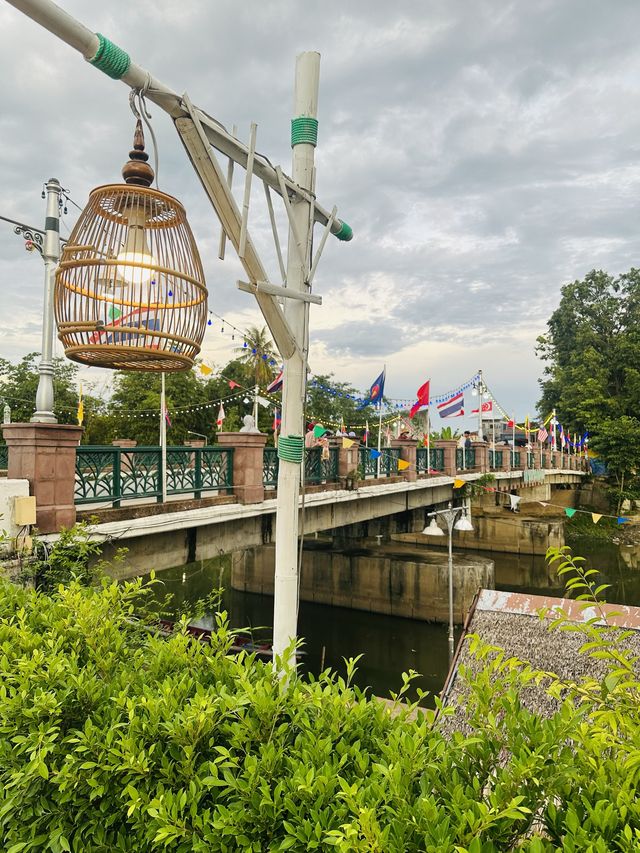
24 510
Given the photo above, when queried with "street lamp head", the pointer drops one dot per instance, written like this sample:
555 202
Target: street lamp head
130 291
432 529
463 524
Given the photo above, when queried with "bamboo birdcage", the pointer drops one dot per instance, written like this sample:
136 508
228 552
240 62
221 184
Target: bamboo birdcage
130 291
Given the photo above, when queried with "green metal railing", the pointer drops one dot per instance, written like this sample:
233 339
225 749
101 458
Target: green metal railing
388 462
516 459
4 457
436 460
113 474
495 459
316 469
466 461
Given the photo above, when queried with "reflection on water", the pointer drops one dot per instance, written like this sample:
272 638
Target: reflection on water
390 645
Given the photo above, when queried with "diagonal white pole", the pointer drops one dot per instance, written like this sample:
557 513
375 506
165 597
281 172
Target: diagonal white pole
285 605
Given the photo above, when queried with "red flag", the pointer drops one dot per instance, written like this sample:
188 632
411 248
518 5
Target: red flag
423 398
510 423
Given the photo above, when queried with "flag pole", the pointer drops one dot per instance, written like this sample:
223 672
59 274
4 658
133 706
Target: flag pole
428 443
163 438
513 441
384 373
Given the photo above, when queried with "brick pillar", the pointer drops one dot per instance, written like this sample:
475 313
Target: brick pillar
248 452
449 447
506 456
482 456
124 442
408 452
45 455
348 457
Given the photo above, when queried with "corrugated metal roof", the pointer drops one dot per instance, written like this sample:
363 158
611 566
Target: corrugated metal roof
522 604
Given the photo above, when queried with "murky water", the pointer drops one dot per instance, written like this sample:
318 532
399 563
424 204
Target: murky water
391 645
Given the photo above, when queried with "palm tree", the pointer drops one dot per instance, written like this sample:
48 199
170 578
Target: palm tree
258 353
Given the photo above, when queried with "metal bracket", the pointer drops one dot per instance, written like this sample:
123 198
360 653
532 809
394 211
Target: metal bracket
215 185
277 290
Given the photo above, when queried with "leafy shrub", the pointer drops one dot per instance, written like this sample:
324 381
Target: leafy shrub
115 739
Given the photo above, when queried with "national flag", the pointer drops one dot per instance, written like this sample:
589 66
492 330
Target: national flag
277 420
221 416
453 407
365 436
510 424
542 434
377 388
275 384
80 407
166 417
487 406
563 439
423 398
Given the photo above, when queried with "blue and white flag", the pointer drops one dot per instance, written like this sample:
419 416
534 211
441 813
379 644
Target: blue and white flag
453 407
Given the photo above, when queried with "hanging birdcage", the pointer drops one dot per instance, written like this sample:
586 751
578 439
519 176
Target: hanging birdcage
130 291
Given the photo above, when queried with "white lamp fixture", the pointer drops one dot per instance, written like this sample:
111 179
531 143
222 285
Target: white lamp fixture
433 529
463 524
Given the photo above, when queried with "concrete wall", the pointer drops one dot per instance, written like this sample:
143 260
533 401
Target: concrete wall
379 581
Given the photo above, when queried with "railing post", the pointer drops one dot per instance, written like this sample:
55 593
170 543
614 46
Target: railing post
409 453
116 484
198 473
448 447
248 463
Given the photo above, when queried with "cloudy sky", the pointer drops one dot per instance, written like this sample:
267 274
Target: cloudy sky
484 153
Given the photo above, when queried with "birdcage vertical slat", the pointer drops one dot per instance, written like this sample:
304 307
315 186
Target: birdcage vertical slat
130 292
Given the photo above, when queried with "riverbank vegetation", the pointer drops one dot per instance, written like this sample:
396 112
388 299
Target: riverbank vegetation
113 737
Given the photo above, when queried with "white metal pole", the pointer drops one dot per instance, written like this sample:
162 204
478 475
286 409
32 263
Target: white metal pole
285 607
480 395
450 517
513 441
51 255
428 444
163 439
256 389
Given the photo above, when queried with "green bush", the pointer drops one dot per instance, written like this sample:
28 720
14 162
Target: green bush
115 739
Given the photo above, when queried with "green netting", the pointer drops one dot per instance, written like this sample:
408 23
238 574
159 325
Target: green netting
291 448
304 129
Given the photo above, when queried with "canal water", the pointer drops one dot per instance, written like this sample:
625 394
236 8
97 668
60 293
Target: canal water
389 645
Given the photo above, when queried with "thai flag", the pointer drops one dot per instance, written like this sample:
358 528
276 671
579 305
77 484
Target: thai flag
276 384
453 407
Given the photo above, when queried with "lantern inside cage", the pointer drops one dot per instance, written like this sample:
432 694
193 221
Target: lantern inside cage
130 291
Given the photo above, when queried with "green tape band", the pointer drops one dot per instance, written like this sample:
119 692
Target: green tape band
304 129
345 233
291 448
110 58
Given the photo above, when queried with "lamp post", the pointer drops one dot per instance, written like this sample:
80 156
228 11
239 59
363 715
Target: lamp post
199 434
450 514
479 389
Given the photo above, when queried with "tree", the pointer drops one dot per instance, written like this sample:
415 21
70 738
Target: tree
332 403
19 384
258 352
618 442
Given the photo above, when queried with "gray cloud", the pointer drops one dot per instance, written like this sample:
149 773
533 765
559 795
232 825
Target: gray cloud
484 153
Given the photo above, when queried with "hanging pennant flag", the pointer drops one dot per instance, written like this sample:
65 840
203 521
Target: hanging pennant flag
377 389
543 503
453 407
221 416
595 517
277 421
458 484
80 407
622 519
318 431
570 512
423 399
264 403
402 464
347 442
233 384
375 454
204 369
275 384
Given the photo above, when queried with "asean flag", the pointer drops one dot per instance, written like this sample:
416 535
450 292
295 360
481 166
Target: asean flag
377 388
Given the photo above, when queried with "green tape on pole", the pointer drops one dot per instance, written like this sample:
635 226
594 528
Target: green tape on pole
110 58
345 233
304 129
291 448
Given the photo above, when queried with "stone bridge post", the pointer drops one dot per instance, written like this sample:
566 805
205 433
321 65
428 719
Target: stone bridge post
408 452
45 455
248 453
482 456
449 447
348 457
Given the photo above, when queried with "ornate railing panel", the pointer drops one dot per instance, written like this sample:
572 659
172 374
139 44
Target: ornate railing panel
270 466
113 474
4 457
319 470
422 466
516 459
388 462
496 459
437 458
466 461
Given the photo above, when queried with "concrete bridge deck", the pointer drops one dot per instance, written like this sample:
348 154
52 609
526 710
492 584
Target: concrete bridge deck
170 539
